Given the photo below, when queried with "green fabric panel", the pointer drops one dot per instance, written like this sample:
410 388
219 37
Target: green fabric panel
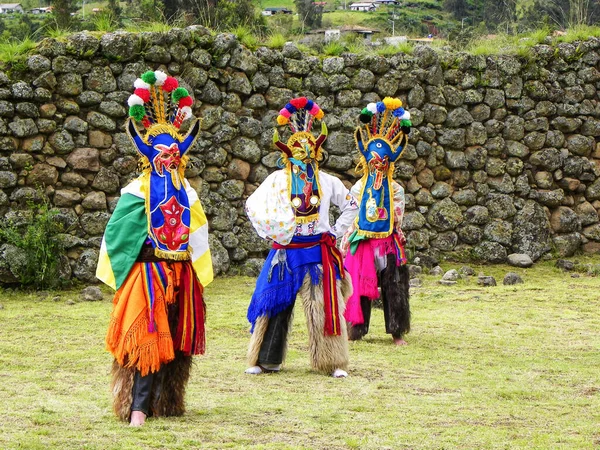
125 234
354 240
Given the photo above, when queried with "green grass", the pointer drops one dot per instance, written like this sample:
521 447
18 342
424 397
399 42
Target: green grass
485 368
276 40
12 52
157 27
579 33
246 37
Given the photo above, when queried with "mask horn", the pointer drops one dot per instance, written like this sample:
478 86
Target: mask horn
137 140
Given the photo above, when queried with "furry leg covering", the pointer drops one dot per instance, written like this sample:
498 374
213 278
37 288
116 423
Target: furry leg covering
258 336
394 285
256 340
169 395
168 391
121 386
327 353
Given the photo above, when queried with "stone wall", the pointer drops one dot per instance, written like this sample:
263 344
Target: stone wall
503 155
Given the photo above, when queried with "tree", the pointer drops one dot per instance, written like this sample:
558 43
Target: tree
310 14
458 8
62 10
115 11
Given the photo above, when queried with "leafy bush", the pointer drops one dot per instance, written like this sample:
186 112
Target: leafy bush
334 48
276 40
39 243
245 36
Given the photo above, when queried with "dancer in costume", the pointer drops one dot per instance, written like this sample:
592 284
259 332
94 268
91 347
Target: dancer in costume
155 255
291 208
374 245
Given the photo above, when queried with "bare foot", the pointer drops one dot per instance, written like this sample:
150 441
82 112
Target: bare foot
400 341
137 419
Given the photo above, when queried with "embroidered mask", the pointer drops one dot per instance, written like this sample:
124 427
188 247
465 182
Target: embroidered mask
301 156
160 106
380 142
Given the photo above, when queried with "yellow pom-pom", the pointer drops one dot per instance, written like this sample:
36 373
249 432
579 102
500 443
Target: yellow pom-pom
392 103
320 115
388 102
282 120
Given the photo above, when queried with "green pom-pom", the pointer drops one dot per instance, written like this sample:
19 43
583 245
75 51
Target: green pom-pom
179 93
405 123
137 112
149 77
365 115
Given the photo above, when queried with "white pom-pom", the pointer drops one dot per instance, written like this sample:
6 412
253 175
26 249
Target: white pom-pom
135 100
160 77
405 116
140 84
372 107
187 112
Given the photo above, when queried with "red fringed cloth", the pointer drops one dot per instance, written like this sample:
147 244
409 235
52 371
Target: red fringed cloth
138 333
331 259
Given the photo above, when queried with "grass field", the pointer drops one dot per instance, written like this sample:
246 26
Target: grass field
486 368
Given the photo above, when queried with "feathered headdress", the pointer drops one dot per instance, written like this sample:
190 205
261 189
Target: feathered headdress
386 120
300 114
161 106
159 103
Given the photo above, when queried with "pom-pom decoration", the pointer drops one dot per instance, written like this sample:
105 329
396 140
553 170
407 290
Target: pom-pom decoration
186 101
187 112
135 100
160 77
170 84
141 84
149 77
137 112
386 118
144 94
300 113
151 103
179 93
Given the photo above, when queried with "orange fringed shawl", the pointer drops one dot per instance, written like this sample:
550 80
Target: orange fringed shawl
129 338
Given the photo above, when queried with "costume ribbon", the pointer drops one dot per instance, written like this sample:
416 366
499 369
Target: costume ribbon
331 259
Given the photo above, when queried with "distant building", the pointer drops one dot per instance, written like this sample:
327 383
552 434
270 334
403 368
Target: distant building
395 40
47 10
273 11
386 2
363 6
8 8
366 33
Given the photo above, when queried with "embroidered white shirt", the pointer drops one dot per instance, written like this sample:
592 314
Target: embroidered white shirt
270 210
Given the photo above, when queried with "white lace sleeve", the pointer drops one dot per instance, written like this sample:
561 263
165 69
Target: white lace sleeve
270 211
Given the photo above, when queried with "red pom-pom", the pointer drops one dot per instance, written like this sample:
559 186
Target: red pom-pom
170 84
144 94
299 102
146 122
186 101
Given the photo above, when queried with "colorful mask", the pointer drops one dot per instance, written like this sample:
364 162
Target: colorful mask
161 107
301 156
380 141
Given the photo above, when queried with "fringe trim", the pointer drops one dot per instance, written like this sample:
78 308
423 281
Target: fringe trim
373 234
307 219
129 352
172 256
